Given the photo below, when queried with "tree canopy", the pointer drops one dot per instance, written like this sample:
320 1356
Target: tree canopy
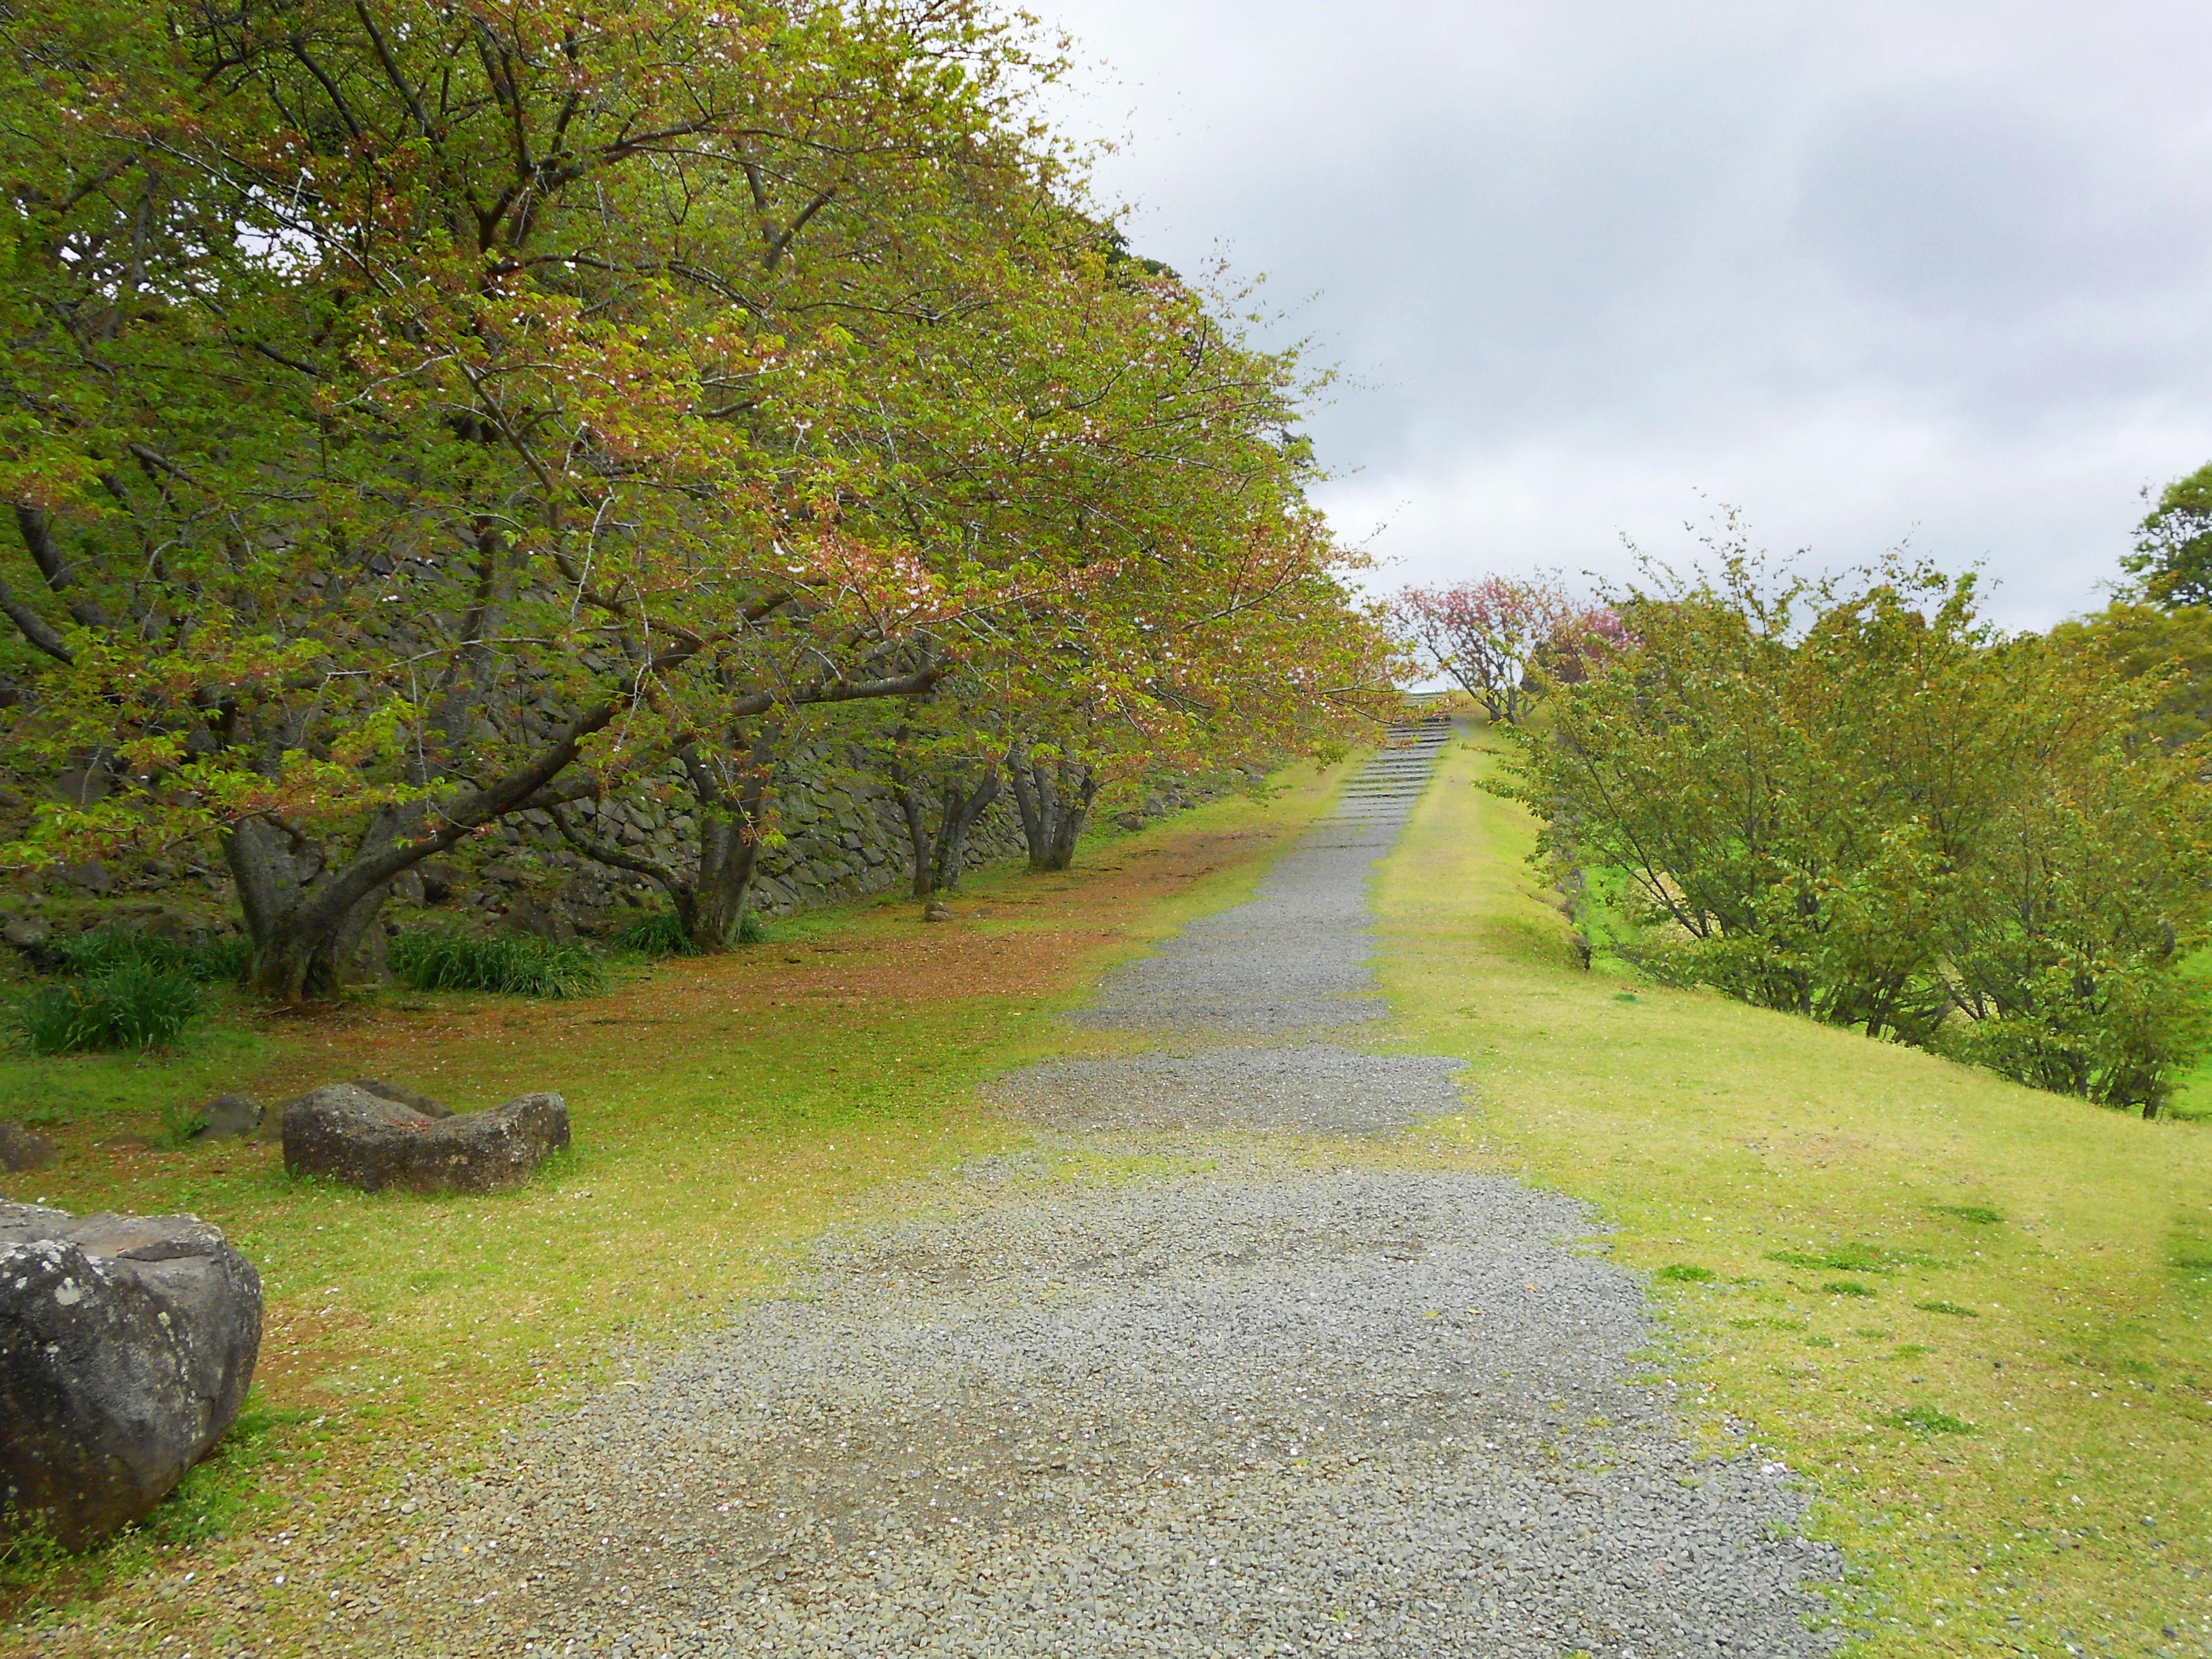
419 412
2173 559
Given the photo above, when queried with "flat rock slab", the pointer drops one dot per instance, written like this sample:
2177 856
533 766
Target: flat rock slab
127 1344
1379 1413
1311 1089
346 1133
230 1117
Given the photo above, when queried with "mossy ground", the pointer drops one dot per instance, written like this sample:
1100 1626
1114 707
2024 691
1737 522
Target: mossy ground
1975 1316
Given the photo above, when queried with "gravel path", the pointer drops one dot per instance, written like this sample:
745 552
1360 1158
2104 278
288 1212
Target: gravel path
1261 1409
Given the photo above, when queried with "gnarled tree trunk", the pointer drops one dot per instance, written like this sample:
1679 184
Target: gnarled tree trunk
963 808
1055 797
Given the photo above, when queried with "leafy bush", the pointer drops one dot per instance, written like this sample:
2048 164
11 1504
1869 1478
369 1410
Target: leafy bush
519 964
657 933
131 1006
1864 804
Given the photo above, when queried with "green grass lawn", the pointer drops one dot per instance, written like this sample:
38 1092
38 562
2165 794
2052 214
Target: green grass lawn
1974 1316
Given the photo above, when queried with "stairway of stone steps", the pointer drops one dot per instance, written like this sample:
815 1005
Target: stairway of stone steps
1380 796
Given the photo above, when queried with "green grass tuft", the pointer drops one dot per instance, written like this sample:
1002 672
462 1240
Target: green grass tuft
1682 1273
105 951
1980 1215
517 965
1926 1419
1848 1287
1845 1258
224 1486
1951 1307
656 933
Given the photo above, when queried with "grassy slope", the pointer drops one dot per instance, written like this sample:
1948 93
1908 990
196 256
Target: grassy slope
726 1111
2026 1478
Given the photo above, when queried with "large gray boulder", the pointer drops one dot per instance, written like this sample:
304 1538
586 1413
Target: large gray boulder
368 1140
126 1345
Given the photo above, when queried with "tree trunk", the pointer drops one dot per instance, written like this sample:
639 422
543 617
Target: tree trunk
305 934
711 905
1055 804
729 855
915 803
962 808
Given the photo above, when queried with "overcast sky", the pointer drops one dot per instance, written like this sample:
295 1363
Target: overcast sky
1870 272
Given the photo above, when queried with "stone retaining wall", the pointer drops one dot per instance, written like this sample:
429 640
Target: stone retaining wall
842 837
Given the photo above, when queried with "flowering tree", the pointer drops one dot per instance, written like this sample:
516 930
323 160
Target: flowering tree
1505 640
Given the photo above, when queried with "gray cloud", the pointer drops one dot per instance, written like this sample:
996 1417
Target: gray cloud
1942 270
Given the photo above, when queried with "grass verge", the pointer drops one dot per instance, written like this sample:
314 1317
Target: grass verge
1974 1315
726 1111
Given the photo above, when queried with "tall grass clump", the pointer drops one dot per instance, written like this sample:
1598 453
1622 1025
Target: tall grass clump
657 933
105 949
517 965
662 933
132 1005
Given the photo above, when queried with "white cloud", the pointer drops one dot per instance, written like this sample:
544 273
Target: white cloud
1859 269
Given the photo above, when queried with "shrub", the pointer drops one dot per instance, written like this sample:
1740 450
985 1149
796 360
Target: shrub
1860 802
131 1006
518 964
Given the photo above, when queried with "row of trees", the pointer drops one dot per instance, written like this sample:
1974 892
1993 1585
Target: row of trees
1856 801
418 412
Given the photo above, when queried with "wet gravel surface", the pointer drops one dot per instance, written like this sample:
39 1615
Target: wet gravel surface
1261 1406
